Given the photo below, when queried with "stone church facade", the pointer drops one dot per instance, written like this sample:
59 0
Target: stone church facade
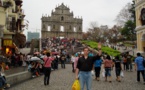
61 23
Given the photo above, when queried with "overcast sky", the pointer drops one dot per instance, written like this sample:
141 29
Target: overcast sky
103 12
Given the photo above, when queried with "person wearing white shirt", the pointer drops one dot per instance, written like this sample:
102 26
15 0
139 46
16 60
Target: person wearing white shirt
73 60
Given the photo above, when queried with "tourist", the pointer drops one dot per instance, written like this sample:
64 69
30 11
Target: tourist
129 62
72 61
63 60
118 68
47 68
76 60
33 70
97 66
139 67
84 68
68 57
125 62
108 63
56 62
3 82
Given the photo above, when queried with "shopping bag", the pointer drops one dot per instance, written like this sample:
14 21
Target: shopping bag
76 85
103 73
122 74
92 72
24 63
2 74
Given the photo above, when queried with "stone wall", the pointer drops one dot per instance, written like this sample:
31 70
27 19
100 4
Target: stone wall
18 77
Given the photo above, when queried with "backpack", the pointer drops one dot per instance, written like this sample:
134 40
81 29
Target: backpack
143 62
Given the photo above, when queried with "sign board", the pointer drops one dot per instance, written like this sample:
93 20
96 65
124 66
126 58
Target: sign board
7 43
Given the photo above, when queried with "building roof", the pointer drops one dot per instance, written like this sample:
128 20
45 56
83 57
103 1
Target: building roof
62 6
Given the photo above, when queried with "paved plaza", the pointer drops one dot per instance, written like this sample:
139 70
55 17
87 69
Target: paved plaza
62 79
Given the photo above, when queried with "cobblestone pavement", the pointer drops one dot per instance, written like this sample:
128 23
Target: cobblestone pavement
62 79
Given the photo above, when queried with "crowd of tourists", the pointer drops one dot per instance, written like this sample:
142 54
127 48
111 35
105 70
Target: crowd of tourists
85 63
120 63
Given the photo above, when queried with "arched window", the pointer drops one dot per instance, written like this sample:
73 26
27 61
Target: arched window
62 28
62 18
49 28
74 29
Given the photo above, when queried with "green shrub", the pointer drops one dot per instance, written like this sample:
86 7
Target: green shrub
106 50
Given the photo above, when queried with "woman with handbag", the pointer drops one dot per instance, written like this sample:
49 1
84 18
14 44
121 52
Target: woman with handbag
47 68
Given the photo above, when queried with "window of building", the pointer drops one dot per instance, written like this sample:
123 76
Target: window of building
79 28
49 28
62 18
53 26
62 28
74 29
70 27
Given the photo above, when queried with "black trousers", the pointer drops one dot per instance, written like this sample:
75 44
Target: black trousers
125 66
97 71
47 71
56 65
138 75
62 64
118 71
73 67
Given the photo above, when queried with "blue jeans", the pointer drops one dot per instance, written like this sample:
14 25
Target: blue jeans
85 78
107 72
2 82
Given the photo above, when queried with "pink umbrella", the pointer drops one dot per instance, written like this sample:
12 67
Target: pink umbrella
54 53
